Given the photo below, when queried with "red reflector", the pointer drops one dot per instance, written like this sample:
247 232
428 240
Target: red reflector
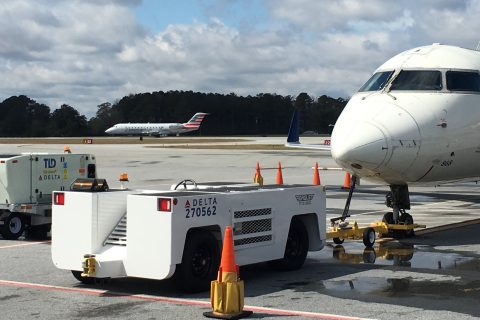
165 204
2 161
59 198
14 161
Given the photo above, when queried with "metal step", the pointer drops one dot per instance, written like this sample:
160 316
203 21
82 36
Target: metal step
118 236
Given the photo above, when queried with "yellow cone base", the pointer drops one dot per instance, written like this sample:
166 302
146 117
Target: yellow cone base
258 179
214 315
227 300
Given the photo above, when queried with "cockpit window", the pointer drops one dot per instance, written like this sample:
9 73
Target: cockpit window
377 81
428 80
463 81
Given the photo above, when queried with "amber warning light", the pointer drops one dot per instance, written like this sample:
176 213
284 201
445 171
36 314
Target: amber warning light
59 198
165 204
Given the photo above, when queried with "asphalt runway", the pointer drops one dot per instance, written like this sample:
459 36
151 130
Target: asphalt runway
435 275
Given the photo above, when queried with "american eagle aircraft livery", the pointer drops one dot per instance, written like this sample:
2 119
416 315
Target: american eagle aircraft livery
415 121
157 129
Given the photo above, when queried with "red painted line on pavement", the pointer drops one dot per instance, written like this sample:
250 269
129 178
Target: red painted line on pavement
105 293
25 244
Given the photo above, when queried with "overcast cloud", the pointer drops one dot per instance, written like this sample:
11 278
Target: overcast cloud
84 53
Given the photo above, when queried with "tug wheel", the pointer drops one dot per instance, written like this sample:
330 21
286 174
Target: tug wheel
296 248
200 261
37 232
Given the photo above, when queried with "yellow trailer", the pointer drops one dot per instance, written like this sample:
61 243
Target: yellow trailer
344 230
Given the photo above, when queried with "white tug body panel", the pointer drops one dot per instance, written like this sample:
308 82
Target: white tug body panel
153 243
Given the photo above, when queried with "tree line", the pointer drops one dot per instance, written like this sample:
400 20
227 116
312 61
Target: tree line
229 114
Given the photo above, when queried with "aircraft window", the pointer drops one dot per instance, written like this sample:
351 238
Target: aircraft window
377 81
463 81
418 80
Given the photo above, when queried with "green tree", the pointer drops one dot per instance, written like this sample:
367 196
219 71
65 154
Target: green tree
67 122
23 117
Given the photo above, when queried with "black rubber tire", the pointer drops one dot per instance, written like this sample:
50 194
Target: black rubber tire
85 280
369 255
407 219
200 262
338 240
13 227
388 219
369 236
296 248
37 232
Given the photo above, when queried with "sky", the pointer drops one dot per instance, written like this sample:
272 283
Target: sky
87 52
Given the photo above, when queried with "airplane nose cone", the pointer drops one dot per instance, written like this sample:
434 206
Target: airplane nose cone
109 130
362 148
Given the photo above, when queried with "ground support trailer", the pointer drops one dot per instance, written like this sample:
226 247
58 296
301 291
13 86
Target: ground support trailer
345 230
160 234
26 184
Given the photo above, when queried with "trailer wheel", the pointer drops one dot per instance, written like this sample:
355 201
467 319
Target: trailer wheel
338 240
200 262
13 226
296 248
85 280
369 237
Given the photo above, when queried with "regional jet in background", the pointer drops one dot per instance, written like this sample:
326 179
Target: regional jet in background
415 121
157 129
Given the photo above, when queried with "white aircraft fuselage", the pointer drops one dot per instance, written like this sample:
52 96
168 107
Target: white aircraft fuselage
157 129
417 120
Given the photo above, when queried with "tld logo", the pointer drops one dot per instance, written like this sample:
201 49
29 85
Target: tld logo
50 163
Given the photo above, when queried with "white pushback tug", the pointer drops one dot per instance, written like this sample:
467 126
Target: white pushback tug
26 184
100 233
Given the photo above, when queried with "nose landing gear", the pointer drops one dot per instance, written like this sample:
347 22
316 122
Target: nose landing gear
399 200
396 224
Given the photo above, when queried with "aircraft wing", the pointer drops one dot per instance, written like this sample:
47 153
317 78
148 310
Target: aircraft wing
293 140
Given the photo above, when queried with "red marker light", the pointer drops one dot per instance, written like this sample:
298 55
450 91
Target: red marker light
59 198
165 204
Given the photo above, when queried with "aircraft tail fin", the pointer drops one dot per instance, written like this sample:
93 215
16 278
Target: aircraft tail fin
196 120
293 139
293 132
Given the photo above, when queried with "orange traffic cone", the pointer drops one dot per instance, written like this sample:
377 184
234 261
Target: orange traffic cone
316 175
227 292
279 179
257 178
347 183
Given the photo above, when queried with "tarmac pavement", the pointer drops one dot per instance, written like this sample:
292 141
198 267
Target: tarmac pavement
435 275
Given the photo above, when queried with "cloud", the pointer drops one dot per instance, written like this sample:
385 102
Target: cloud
62 53
84 53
